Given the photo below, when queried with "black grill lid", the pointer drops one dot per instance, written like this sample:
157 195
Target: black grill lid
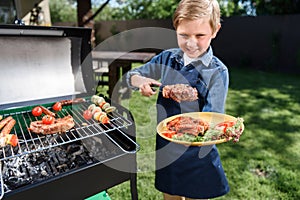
44 64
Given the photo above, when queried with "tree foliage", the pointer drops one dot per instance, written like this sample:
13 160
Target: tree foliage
62 11
65 10
146 9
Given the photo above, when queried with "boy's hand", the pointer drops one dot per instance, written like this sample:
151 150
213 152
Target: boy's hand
146 88
144 84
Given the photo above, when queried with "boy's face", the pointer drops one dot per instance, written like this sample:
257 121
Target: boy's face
194 36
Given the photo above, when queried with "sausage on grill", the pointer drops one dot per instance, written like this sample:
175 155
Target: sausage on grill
46 111
72 101
8 127
5 121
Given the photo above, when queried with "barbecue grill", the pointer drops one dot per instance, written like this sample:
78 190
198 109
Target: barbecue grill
40 66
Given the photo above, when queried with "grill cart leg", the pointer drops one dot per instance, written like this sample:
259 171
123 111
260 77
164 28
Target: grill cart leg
133 186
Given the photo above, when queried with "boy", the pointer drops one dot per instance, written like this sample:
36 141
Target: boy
188 172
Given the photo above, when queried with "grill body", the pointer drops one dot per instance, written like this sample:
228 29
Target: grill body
100 169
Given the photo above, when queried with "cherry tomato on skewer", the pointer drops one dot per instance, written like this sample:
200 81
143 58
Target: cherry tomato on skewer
37 111
48 119
105 120
57 106
12 140
87 114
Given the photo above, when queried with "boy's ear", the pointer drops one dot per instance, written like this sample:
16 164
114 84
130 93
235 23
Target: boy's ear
217 30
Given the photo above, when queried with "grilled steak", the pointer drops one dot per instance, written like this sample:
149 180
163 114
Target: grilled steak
59 126
188 125
180 92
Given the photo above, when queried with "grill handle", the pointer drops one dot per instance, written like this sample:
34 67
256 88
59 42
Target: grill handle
1 182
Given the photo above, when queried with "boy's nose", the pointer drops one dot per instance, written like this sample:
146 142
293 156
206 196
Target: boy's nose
191 42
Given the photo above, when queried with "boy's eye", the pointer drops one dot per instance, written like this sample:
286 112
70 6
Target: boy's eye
183 35
199 35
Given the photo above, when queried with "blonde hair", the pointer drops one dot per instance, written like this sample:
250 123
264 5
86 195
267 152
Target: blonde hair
196 9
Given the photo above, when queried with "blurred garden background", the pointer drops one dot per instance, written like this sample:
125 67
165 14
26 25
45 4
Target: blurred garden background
264 164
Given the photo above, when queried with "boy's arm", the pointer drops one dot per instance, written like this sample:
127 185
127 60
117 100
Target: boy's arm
217 93
144 77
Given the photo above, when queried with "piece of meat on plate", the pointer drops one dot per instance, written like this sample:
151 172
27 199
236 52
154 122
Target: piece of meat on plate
188 125
60 125
180 92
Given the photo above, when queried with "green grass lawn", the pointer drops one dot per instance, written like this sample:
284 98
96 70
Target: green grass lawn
263 165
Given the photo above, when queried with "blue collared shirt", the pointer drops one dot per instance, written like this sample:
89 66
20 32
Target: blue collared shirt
214 75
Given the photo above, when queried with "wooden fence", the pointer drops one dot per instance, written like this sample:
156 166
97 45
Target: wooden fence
263 42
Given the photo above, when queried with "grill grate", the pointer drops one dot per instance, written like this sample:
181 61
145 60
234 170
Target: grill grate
30 142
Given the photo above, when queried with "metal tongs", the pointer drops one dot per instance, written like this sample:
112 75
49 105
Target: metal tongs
155 87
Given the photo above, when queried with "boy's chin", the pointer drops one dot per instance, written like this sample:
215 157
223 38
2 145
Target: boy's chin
193 54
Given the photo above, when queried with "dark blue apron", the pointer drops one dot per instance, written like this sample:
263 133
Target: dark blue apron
192 172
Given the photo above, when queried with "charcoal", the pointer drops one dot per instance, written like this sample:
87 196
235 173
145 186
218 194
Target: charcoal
38 166
54 161
16 182
79 160
62 157
61 168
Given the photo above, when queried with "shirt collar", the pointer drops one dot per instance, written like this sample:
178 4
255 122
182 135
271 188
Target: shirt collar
205 58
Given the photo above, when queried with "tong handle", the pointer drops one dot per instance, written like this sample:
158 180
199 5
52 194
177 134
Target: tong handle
154 87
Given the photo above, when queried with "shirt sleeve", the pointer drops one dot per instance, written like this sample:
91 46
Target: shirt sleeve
217 91
152 69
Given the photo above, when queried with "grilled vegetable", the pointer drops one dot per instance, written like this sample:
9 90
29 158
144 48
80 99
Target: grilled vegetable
91 107
169 134
96 109
87 114
226 130
12 140
48 119
57 106
224 125
110 109
97 115
37 111
105 120
101 116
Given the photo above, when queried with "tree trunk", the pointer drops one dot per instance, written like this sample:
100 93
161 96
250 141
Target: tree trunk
83 9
